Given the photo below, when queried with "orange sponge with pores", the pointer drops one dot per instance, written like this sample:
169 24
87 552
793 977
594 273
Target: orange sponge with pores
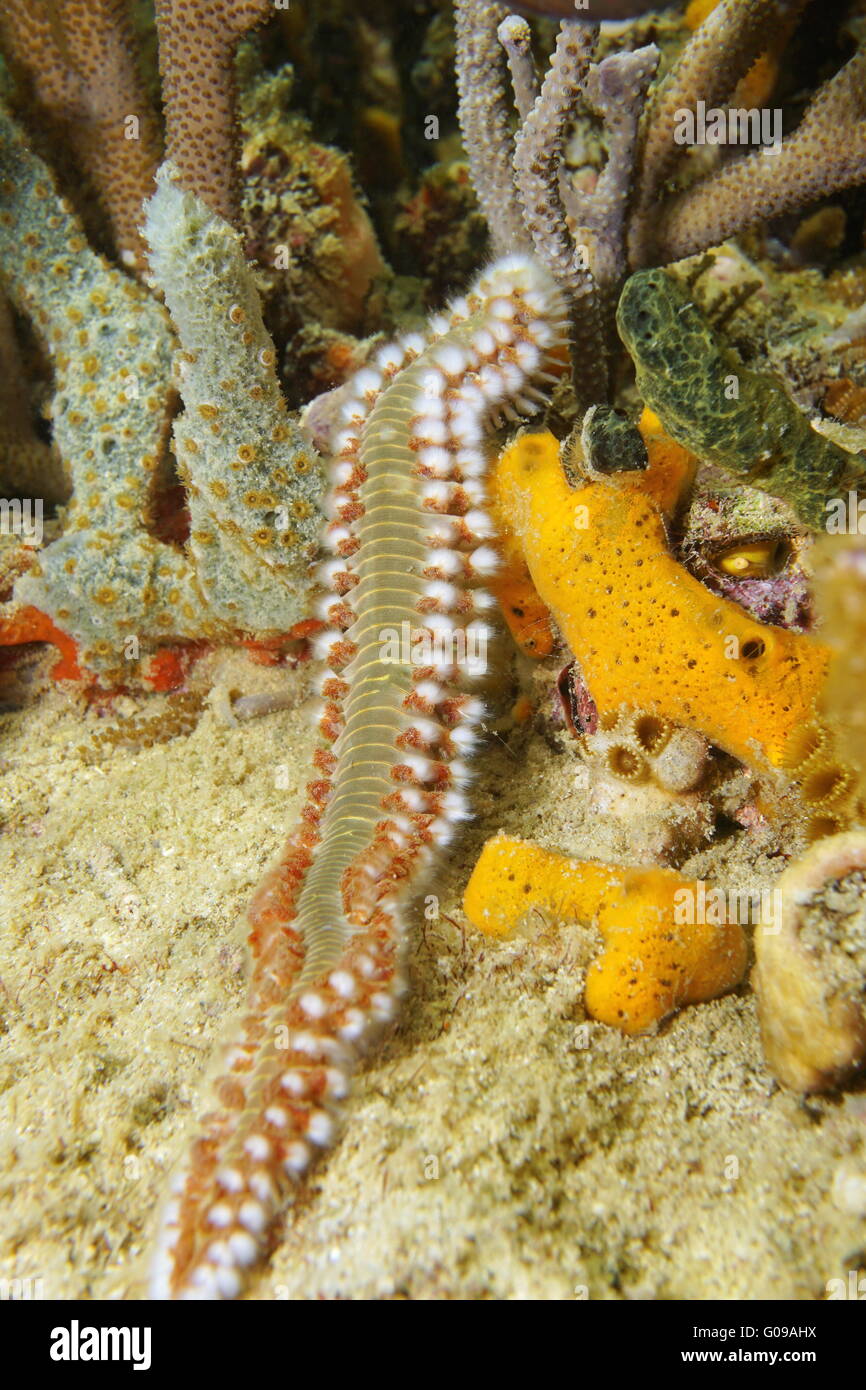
656 958
645 632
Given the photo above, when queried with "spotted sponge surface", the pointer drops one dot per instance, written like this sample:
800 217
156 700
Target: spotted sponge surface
645 632
656 957
110 583
254 486
106 580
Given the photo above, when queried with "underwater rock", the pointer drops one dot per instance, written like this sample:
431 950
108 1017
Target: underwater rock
810 976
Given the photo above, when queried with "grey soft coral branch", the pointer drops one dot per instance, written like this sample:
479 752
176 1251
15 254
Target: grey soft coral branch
591 241
485 119
519 176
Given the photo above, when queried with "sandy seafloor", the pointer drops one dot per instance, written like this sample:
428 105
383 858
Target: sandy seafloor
487 1153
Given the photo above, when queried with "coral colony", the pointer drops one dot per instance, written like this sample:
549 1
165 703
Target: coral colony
649 529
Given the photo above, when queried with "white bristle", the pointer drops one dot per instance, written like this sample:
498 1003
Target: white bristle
338 1086
482 601
492 382
445 594
471 462
479 523
442 532
448 561
455 806
430 691
464 739
414 799
335 536
484 561
527 355
431 405
243 1248
322 679
421 767
461 773
441 832
437 494
453 360
431 430
320 1128
474 491
433 385
474 710
331 571
427 729
368 381
466 426
353 410
413 343
341 472
438 460
390 358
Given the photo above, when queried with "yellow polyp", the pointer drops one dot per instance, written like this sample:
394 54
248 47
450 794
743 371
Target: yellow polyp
645 632
756 561
657 957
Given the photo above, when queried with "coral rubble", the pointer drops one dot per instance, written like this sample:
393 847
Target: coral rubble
810 976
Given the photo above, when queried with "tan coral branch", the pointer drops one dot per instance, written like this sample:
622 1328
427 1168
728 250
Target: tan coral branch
826 152
76 60
197 44
721 52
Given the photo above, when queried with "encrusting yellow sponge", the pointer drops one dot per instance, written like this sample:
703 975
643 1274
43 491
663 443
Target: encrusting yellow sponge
656 958
645 632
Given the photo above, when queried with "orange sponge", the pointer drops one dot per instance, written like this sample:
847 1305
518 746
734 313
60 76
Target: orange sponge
645 632
657 956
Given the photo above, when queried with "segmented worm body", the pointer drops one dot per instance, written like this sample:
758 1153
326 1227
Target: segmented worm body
410 540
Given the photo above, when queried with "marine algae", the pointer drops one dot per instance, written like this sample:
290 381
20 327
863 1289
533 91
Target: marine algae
713 404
